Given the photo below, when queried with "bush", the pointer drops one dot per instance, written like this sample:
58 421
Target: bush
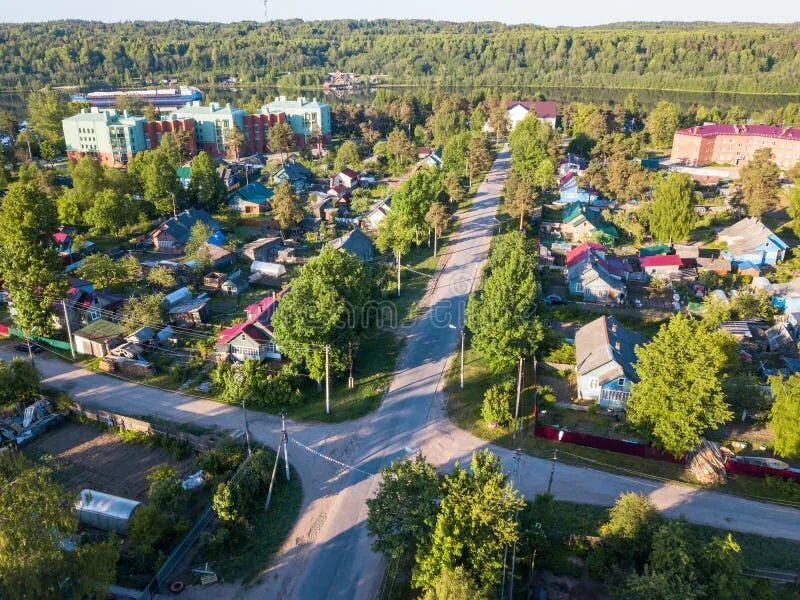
223 459
147 532
563 354
165 491
496 408
546 396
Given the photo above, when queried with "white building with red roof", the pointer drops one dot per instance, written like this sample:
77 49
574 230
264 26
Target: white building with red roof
252 338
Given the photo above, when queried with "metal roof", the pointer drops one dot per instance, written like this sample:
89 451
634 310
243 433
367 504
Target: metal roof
106 504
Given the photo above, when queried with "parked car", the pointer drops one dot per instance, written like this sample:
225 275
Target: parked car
23 347
554 299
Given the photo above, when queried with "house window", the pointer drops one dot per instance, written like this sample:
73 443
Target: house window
578 287
93 315
621 382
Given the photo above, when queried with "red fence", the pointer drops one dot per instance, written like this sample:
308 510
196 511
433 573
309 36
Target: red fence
603 443
740 468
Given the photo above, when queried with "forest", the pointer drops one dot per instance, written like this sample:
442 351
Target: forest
667 56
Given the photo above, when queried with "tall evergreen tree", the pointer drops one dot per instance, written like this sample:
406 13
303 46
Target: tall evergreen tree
500 317
671 215
28 262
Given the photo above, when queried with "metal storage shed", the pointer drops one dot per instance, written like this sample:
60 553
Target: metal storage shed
104 511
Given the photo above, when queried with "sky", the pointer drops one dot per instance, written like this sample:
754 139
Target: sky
551 14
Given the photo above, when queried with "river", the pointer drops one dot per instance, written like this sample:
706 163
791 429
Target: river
14 101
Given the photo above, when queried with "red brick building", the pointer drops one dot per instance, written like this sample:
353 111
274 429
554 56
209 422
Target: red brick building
153 130
256 131
735 144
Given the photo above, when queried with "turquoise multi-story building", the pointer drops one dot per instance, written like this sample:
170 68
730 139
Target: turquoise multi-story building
108 135
306 117
213 124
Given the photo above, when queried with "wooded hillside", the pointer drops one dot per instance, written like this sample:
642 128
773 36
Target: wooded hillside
740 57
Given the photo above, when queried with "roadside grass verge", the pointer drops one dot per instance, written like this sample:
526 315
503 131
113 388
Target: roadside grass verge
375 358
759 552
268 531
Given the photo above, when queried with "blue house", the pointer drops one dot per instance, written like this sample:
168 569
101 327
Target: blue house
604 361
750 241
300 176
570 192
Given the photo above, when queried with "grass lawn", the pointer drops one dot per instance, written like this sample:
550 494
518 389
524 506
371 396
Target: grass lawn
373 365
758 552
464 408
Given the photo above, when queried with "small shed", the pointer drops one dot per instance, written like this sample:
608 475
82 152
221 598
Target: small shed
165 335
267 269
263 249
179 296
104 511
98 337
141 335
235 284
214 280
189 314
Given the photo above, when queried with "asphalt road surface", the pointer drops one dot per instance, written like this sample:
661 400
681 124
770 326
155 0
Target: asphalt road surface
327 555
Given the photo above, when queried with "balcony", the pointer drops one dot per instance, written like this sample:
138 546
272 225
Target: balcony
613 397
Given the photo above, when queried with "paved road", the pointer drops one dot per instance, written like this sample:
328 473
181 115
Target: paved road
328 555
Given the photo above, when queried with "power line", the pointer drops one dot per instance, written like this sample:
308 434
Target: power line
331 459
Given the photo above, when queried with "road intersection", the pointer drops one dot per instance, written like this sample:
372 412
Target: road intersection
328 554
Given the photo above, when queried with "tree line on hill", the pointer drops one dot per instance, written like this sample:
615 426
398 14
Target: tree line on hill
734 57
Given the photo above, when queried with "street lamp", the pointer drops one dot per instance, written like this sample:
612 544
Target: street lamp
461 331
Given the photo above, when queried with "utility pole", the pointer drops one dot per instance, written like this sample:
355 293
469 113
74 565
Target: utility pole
246 429
274 472
519 390
398 274
69 329
462 358
552 470
350 381
327 380
174 206
285 442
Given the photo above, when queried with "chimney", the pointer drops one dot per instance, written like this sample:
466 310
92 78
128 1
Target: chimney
618 345
273 295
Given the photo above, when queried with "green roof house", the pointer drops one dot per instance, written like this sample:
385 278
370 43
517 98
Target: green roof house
580 223
98 337
251 199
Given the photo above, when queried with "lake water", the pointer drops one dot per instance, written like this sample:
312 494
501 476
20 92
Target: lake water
750 102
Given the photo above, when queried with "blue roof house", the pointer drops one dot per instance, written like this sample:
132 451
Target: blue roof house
750 241
570 192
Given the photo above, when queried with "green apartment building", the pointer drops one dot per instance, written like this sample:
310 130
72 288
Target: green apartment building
111 137
213 124
306 117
